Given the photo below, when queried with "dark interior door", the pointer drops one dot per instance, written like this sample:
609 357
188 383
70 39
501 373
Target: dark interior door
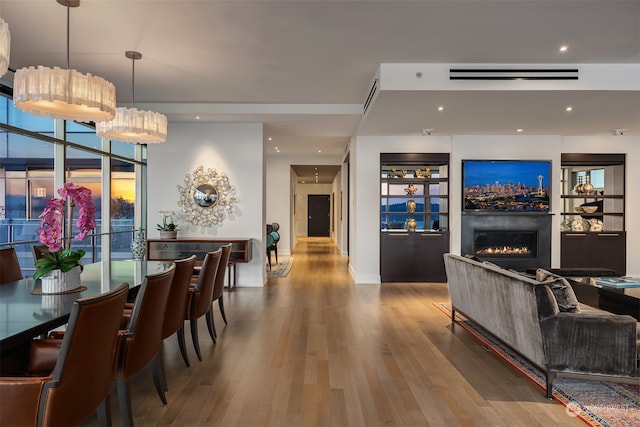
319 209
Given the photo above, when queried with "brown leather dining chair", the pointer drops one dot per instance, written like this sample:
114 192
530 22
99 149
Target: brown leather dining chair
82 362
141 341
201 296
39 251
174 318
218 290
9 266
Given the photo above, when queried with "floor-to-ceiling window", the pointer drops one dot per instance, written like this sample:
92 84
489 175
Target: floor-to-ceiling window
37 155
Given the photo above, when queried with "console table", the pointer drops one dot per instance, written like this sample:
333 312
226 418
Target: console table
172 249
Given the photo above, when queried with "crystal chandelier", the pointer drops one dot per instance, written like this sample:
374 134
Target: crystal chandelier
64 93
131 124
5 47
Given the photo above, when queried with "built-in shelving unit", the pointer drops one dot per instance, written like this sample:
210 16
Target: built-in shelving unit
414 216
595 238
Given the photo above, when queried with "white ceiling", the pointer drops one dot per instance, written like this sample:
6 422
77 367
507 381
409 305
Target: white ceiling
304 68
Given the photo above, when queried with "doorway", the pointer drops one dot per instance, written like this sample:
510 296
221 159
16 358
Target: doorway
319 215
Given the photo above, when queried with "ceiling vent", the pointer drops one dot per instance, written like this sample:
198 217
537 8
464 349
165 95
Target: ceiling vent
372 93
513 74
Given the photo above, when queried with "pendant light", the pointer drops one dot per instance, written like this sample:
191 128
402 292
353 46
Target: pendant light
5 47
131 124
64 93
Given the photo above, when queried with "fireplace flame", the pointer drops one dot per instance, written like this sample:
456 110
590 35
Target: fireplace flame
503 250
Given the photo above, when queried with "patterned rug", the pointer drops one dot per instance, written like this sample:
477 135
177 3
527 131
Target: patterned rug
597 403
282 268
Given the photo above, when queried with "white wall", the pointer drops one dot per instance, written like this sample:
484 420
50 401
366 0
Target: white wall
364 262
237 150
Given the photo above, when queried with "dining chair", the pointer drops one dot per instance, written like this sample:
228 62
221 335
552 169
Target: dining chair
218 289
39 251
69 378
201 296
141 341
174 318
9 266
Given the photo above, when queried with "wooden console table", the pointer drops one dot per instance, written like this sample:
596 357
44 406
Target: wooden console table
172 249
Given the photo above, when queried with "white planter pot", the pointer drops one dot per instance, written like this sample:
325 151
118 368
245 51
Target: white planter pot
56 282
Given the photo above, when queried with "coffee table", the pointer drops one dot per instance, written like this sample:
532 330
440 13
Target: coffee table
613 300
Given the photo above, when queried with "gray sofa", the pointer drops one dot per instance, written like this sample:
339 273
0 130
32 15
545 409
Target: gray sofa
543 321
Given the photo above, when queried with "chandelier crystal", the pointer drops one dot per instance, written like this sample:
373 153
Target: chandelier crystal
131 124
5 47
64 93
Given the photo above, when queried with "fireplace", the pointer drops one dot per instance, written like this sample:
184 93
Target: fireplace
492 243
516 241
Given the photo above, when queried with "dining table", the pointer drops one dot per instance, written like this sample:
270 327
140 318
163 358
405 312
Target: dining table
27 313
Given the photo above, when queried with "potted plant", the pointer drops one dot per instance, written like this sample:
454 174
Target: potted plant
169 227
59 269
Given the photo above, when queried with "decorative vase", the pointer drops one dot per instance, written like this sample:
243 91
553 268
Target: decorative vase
138 245
578 186
56 282
587 187
411 224
168 234
411 206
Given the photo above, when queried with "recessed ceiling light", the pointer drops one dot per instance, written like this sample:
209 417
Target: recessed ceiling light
276 148
197 117
569 108
269 139
563 48
440 108
319 151
520 130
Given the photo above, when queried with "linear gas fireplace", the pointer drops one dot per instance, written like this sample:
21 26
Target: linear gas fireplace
492 243
517 241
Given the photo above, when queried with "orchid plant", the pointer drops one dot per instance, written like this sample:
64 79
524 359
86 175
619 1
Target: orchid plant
50 233
169 221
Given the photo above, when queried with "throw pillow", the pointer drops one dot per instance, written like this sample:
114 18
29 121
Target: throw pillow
562 290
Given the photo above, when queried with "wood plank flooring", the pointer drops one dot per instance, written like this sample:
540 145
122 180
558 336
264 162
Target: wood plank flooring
314 349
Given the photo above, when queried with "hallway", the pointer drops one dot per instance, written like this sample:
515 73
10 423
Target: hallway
314 349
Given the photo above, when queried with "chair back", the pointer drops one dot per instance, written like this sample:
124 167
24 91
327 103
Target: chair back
177 299
201 299
143 337
39 251
82 376
9 266
218 286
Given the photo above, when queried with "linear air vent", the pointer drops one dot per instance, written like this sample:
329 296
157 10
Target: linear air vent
372 93
513 74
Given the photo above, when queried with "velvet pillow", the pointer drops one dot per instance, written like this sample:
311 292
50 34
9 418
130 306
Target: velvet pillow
562 290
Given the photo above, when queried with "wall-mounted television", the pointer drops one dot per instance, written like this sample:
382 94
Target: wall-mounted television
506 185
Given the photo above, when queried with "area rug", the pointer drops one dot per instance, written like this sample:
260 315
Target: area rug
597 403
282 268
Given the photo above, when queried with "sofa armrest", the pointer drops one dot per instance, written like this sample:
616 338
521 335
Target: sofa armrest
591 343
20 398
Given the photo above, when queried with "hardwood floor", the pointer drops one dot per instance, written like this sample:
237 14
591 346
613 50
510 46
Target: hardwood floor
314 349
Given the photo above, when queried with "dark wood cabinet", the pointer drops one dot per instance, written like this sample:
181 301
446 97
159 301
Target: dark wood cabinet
414 216
595 237
413 257
594 250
